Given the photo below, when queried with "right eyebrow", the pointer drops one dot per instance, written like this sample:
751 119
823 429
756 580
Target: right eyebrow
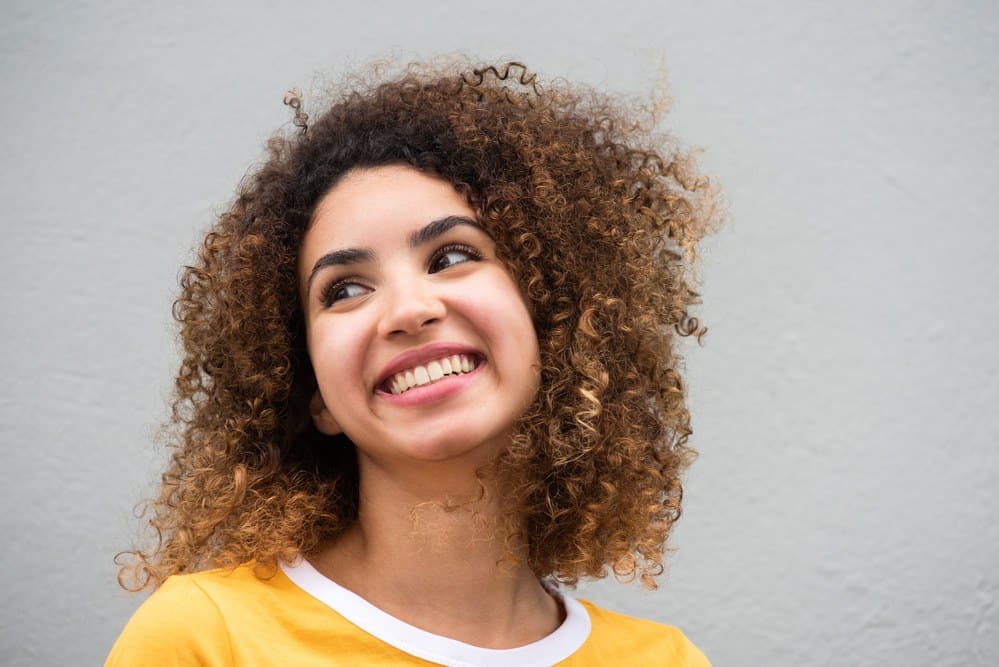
342 257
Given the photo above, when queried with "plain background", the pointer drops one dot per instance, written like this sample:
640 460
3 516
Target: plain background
843 510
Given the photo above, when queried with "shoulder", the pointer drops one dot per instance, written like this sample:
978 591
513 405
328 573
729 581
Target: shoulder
180 623
616 636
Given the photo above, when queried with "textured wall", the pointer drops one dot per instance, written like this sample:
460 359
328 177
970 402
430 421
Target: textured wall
843 508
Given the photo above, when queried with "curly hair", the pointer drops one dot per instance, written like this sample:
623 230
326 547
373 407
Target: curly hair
596 217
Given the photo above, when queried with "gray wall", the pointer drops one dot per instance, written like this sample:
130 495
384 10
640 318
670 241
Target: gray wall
843 508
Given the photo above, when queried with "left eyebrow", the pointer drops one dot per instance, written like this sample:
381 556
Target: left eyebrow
439 227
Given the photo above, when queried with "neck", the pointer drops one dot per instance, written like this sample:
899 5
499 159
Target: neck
436 560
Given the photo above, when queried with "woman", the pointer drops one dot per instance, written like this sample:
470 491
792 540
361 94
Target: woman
429 374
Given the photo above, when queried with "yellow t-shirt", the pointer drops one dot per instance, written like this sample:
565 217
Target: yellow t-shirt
300 618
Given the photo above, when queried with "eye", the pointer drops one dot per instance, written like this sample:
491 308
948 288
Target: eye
450 255
340 290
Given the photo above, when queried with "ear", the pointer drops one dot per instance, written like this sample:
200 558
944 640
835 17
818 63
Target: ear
321 416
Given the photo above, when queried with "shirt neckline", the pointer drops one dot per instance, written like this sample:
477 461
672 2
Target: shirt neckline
559 645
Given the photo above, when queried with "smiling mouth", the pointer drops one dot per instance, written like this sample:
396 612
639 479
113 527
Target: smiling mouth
431 372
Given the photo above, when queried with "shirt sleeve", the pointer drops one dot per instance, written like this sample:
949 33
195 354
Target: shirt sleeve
686 652
178 625
616 639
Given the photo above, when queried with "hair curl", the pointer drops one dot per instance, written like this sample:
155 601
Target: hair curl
597 219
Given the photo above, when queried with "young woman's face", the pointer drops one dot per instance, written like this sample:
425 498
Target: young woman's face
421 342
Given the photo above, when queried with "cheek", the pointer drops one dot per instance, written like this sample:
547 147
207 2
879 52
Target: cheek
335 355
521 322
501 306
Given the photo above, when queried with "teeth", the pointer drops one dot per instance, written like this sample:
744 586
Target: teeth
435 370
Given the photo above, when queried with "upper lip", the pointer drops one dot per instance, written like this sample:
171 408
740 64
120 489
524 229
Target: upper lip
422 355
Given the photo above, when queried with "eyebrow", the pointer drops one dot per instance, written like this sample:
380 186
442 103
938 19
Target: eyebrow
438 227
422 236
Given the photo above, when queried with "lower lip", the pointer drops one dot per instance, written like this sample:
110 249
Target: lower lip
433 392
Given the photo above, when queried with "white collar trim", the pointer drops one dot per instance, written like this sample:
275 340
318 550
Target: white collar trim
557 646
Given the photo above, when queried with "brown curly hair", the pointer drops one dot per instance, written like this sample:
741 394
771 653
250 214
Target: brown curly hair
597 219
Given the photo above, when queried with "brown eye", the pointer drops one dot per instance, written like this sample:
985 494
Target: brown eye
343 289
450 255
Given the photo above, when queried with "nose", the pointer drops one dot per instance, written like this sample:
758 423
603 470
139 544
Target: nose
411 304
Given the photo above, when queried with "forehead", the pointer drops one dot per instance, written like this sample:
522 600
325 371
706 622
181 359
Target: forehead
374 208
382 199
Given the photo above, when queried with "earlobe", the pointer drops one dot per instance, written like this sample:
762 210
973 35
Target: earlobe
321 417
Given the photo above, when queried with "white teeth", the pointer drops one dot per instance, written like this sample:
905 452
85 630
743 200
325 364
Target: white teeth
435 370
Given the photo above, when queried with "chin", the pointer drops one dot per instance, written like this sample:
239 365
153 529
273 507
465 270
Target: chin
455 448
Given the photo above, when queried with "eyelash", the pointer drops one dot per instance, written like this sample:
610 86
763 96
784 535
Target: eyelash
473 254
326 297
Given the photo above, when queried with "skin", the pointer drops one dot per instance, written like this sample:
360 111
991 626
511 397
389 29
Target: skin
426 547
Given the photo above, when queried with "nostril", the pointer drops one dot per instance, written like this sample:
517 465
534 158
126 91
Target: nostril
422 325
